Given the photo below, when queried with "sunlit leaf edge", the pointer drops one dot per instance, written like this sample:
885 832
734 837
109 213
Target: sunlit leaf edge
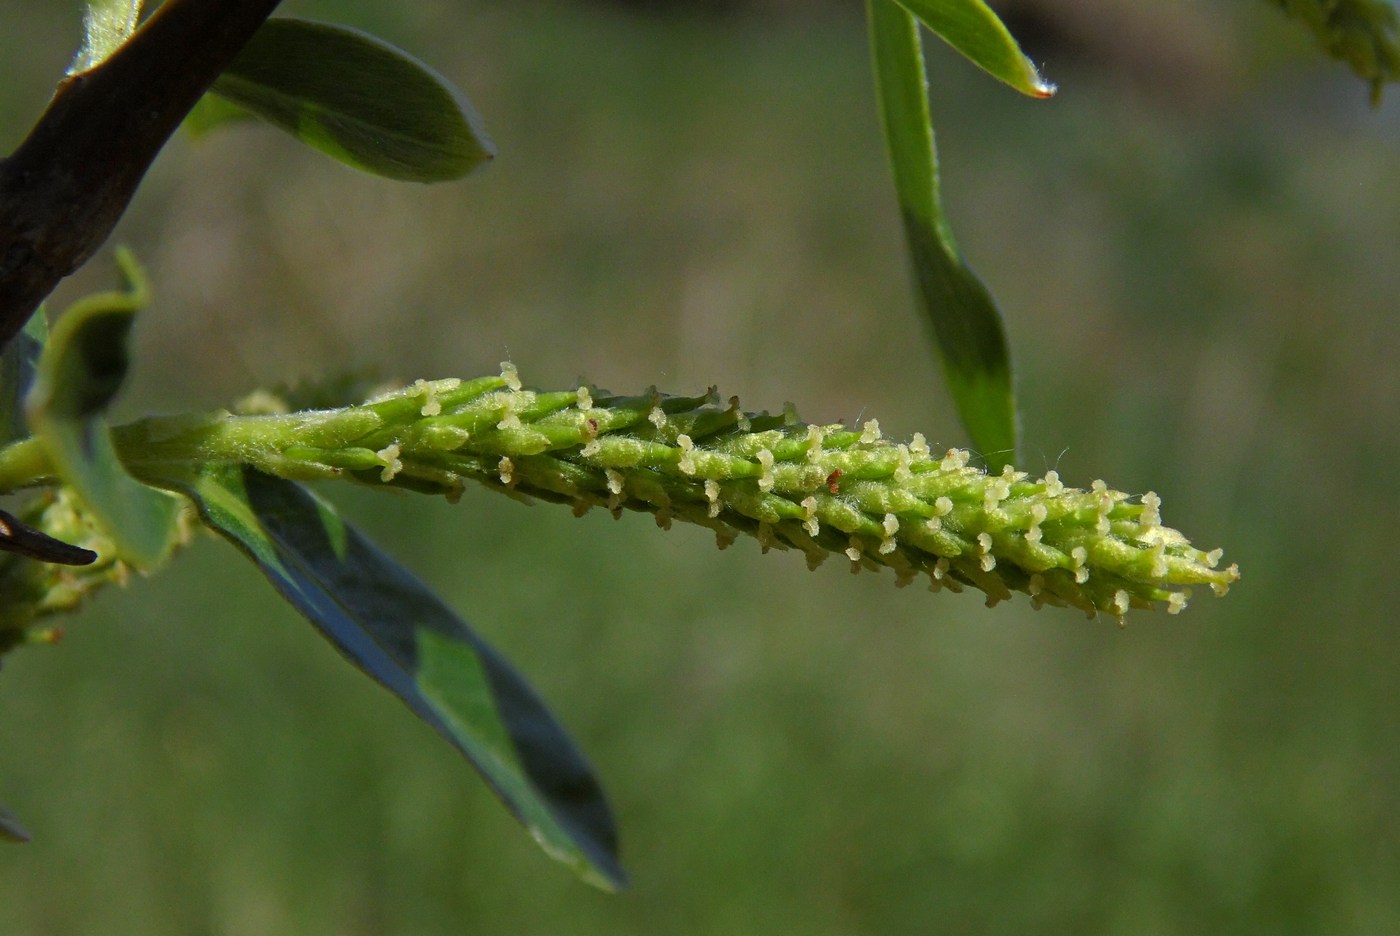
974 29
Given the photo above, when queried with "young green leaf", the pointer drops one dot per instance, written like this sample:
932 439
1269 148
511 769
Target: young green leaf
10 828
393 628
966 324
973 29
358 99
106 25
80 371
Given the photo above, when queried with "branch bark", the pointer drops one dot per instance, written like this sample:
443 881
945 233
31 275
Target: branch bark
66 186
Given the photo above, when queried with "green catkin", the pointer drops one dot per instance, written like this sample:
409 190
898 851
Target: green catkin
823 490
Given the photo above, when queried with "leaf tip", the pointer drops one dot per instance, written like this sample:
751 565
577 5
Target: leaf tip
10 828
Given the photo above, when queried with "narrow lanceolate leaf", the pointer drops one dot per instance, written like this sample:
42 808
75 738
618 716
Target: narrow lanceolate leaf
393 628
358 99
973 29
106 25
10 828
824 490
81 369
966 325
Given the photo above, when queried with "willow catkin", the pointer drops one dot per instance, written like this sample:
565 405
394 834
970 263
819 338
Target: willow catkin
822 489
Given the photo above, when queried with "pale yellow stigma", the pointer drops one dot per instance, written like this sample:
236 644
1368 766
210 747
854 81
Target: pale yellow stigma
765 462
687 459
712 495
432 406
389 457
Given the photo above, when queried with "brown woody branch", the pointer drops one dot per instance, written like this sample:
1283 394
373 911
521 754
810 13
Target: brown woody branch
63 191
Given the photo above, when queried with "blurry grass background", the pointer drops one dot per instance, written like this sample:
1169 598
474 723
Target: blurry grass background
1195 245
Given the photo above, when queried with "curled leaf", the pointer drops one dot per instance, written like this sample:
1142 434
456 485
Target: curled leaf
79 373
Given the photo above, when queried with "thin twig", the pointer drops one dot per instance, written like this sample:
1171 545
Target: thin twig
63 191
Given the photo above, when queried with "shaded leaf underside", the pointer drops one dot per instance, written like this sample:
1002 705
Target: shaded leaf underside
393 628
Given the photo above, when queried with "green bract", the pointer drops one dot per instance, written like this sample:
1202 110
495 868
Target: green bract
821 489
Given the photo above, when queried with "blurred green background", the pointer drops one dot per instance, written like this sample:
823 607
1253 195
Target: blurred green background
1195 245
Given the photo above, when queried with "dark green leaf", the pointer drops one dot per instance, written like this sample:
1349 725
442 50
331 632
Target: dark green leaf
966 324
973 29
17 365
358 99
10 828
393 628
80 371
106 25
